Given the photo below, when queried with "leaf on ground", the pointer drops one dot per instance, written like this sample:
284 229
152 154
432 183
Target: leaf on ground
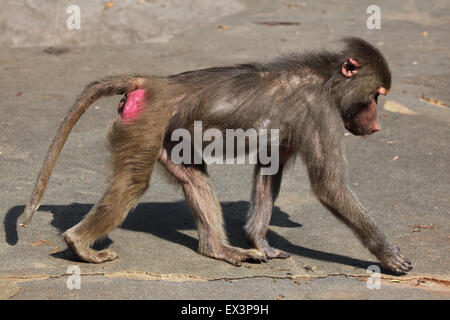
310 268
109 5
432 101
417 228
46 243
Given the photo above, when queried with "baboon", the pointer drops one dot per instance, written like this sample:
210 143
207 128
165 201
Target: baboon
311 98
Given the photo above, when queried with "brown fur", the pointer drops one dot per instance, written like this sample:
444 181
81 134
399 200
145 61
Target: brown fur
307 97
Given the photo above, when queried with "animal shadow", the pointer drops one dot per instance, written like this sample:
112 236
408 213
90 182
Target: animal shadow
166 219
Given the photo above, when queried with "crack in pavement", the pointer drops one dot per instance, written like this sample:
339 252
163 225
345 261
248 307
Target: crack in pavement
10 285
178 277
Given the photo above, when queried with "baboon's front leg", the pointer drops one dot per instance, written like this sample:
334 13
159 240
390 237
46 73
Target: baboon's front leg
264 193
207 213
328 184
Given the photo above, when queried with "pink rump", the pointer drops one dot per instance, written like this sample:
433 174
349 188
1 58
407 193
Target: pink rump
134 104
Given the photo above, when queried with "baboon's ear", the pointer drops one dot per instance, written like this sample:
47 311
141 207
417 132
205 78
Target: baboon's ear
350 67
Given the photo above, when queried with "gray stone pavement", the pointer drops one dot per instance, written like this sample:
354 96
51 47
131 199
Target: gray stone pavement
402 173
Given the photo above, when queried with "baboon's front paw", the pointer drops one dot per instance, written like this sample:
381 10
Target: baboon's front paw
273 253
396 262
236 256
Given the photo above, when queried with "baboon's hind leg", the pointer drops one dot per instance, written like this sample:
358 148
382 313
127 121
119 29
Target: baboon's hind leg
133 162
207 214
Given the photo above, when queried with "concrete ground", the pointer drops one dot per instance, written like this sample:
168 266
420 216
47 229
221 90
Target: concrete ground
402 173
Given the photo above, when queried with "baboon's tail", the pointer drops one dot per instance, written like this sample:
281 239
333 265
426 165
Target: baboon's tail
109 86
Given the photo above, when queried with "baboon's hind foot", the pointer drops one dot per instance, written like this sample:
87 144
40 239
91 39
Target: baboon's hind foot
85 253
